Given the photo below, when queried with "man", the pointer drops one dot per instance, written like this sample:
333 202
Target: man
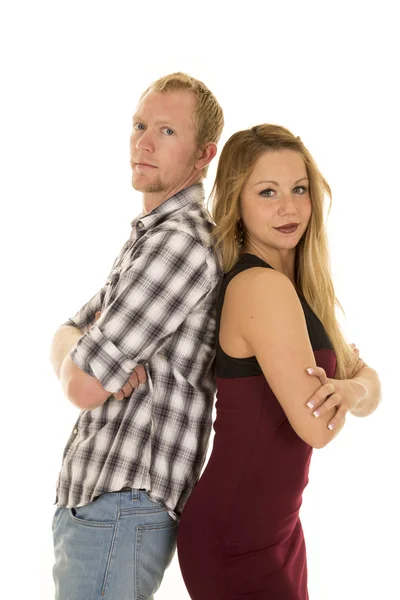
137 359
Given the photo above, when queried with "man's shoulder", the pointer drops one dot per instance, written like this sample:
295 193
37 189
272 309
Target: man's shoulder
191 241
193 222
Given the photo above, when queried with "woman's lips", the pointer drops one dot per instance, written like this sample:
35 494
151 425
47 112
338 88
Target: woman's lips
287 228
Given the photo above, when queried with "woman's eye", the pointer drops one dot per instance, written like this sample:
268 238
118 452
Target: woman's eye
267 193
168 130
138 126
300 189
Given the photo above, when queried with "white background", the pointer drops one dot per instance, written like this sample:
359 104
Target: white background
71 75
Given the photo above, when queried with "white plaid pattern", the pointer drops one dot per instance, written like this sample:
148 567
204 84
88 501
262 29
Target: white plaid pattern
158 309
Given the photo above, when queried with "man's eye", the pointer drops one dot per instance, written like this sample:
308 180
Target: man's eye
138 126
267 193
300 189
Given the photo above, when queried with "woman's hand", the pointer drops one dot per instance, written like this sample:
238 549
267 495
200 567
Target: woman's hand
355 363
342 394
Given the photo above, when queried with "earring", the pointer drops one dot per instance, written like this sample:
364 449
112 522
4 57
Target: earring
240 236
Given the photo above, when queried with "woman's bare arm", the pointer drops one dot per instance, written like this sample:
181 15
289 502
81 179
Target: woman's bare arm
273 324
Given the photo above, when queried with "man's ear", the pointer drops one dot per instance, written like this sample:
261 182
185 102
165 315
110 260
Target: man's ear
206 156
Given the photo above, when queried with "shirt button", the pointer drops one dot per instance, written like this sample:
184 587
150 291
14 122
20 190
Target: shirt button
140 225
75 431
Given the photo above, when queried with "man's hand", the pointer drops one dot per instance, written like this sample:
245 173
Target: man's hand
342 394
138 376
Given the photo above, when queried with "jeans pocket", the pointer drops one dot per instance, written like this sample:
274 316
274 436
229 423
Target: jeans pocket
155 547
85 515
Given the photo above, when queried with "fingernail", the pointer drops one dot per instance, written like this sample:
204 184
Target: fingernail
310 371
330 426
310 404
316 413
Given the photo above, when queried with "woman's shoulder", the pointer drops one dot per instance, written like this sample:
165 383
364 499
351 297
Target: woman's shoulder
259 288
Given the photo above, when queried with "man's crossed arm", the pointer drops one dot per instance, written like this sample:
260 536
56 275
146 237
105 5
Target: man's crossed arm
83 390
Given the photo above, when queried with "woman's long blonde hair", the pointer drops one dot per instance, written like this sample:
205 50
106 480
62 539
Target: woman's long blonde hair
312 266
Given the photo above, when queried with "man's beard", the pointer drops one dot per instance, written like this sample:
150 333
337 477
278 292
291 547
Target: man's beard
152 188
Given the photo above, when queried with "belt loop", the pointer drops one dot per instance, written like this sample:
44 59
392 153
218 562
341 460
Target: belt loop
135 495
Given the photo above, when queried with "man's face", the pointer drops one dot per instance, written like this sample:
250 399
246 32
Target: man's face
163 141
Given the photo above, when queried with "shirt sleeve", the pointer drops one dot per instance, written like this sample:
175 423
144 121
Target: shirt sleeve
87 314
165 282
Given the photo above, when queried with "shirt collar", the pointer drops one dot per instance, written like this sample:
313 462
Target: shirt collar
187 196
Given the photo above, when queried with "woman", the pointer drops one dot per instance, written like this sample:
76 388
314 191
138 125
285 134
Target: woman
240 534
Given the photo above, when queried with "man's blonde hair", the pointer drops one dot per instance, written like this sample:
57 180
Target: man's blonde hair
208 116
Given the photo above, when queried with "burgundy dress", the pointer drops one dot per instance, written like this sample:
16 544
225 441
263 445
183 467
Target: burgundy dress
240 536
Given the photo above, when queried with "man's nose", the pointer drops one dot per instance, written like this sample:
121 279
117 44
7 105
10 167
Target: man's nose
145 141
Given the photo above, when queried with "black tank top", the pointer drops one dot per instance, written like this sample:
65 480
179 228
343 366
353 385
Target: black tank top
228 366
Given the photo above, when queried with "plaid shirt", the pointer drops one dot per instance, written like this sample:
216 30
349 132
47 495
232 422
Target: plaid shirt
158 309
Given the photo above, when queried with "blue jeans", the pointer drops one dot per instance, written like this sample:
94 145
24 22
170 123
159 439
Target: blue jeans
115 548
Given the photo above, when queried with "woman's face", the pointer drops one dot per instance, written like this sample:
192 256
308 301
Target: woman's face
276 195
